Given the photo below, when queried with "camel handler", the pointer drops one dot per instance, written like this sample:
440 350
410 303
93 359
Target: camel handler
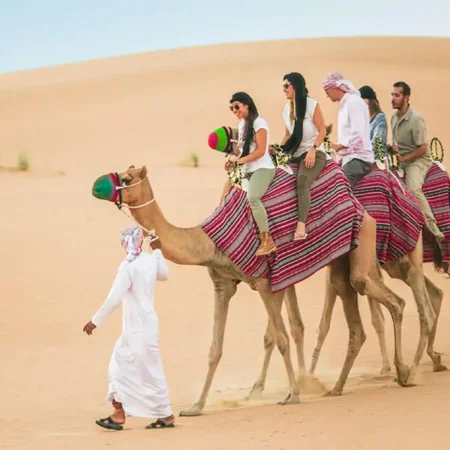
410 145
353 144
137 384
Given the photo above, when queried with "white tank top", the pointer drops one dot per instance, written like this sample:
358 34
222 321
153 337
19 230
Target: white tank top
310 130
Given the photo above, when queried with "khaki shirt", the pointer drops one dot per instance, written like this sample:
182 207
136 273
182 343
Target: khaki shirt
410 132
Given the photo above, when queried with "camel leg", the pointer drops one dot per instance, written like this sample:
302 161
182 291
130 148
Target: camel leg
297 327
297 332
436 296
224 289
273 303
269 344
340 279
378 324
365 277
410 271
325 321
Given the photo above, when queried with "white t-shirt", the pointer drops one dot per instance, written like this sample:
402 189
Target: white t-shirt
265 161
310 130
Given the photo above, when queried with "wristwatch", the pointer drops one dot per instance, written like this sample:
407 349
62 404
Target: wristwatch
315 146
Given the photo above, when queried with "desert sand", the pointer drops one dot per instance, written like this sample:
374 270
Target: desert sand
60 252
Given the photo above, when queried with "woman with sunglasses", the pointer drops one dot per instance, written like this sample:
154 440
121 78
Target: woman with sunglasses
305 132
258 167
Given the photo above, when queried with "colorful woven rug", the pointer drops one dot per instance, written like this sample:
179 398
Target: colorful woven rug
398 214
333 227
437 191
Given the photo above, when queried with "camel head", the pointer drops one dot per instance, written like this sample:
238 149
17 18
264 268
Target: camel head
126 187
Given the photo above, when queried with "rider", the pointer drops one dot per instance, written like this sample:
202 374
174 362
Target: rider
409 135
378 122
258 166
305 132
353 128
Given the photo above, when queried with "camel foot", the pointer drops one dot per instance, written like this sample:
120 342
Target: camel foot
257 390
437 365
335 392
194 410
439 368
291 399
385 371
404 376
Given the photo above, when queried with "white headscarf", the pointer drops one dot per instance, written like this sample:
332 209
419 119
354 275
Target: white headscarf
337 81
131 239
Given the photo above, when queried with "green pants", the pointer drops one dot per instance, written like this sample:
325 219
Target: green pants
259 182
305 178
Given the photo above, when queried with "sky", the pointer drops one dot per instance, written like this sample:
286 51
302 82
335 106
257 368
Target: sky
40 33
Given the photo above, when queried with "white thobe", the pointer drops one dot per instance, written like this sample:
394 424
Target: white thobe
354 129
136 376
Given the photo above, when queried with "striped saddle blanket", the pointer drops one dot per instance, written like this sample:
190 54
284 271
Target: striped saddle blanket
437 191
333 227
398 215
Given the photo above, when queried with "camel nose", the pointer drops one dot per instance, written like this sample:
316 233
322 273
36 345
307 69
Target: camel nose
104 188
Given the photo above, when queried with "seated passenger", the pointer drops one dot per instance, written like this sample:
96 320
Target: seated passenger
305 132
353 128
378 122
258 167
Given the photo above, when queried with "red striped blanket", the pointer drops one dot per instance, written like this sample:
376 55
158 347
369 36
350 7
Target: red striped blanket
397 213
333 227
437 191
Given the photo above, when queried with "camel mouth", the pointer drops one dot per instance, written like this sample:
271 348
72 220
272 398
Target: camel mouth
105 187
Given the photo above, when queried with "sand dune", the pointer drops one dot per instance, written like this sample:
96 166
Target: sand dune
60 251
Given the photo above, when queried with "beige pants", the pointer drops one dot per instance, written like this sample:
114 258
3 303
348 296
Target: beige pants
415 173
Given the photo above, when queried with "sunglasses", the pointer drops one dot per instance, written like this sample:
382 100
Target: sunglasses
286 85
234 107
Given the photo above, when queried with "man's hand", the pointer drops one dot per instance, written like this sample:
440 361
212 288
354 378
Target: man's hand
156 244
337 147
394 151
234 158
89 328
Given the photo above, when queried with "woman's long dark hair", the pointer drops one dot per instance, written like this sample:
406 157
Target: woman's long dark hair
301 96
244 98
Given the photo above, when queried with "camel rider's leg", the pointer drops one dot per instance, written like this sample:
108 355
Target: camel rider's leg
259 183
415 173
305 178
355 169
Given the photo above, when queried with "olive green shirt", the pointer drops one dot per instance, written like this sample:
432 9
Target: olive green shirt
410 132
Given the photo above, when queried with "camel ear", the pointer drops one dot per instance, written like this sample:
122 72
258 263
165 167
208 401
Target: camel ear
143 172
131 167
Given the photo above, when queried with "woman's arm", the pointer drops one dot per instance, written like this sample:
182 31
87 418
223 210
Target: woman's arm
319 122
380 130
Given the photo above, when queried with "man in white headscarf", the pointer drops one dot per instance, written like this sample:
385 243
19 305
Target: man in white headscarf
354 145
137 384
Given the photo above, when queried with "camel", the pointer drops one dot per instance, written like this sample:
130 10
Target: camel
409 269
356 273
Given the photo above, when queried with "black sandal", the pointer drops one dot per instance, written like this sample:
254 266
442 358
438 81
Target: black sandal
159 424
109 424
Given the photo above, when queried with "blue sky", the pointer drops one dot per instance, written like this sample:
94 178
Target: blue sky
37 33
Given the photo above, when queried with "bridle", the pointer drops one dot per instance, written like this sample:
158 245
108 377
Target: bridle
118 200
